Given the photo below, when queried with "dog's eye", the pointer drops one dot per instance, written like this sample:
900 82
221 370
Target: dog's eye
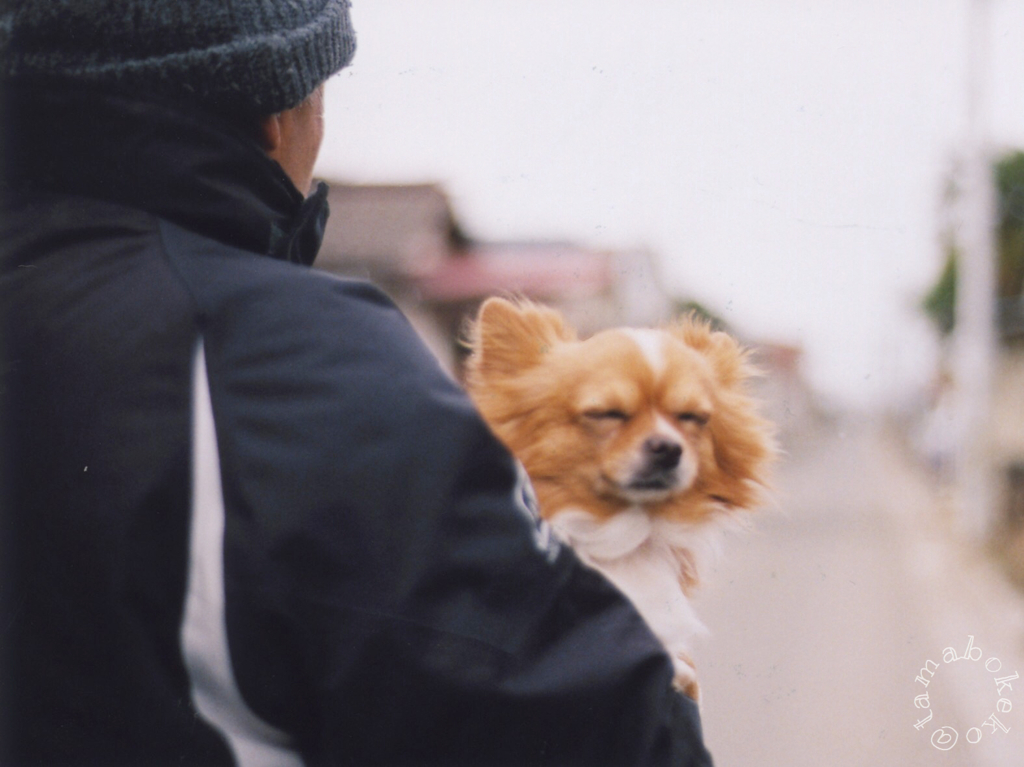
697 418
607 415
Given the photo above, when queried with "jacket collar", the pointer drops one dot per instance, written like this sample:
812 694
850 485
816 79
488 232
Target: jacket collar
193 169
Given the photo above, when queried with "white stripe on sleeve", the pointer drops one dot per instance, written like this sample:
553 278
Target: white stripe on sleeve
204 639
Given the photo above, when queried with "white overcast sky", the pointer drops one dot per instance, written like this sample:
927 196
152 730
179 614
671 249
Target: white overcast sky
783 157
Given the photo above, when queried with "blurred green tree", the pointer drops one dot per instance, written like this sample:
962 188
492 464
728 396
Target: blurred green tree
940 301
1010 232
683 307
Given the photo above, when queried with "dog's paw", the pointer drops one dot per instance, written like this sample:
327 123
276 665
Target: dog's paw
686 676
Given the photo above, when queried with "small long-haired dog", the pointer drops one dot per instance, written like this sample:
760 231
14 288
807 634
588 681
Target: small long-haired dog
637 442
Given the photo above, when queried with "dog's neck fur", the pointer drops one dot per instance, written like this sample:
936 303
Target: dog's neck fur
652 560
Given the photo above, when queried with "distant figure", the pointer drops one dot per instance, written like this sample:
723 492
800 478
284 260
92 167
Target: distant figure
246 519
939 432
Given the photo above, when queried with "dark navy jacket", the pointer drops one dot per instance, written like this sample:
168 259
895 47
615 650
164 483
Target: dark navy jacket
246 518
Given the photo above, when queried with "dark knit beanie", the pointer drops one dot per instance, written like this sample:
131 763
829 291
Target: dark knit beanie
242 57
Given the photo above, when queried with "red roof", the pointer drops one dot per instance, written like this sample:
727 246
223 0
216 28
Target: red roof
539 271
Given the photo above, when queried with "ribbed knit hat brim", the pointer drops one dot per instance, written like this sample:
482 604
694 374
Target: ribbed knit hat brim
245 56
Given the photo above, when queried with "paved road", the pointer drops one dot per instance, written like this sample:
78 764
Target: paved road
823 617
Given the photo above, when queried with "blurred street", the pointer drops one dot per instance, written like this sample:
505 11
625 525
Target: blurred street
822 617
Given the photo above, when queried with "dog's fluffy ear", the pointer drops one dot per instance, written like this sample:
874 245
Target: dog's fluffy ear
730 361
509 337
744 443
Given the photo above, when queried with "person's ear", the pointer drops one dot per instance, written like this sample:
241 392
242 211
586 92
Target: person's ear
270 133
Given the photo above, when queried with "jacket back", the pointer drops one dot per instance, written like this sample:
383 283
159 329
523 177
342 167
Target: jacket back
349 573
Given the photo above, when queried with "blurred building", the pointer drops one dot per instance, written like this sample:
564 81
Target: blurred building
407 240
986 440
389 233
1007 430
594 289
1008 374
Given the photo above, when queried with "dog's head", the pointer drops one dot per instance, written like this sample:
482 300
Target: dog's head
652 418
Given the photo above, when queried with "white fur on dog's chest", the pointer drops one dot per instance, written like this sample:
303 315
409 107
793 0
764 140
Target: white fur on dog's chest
643 558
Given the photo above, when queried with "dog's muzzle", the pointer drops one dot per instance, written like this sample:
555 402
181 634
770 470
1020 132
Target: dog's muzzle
659 465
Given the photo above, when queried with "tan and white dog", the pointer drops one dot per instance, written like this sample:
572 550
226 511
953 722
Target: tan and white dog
639 445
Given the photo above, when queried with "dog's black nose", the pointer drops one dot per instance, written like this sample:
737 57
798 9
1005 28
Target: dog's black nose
664 452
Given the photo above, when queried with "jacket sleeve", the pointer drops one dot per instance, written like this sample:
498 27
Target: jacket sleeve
482 645
390 599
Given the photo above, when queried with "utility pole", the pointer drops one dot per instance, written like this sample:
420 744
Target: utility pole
974 340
